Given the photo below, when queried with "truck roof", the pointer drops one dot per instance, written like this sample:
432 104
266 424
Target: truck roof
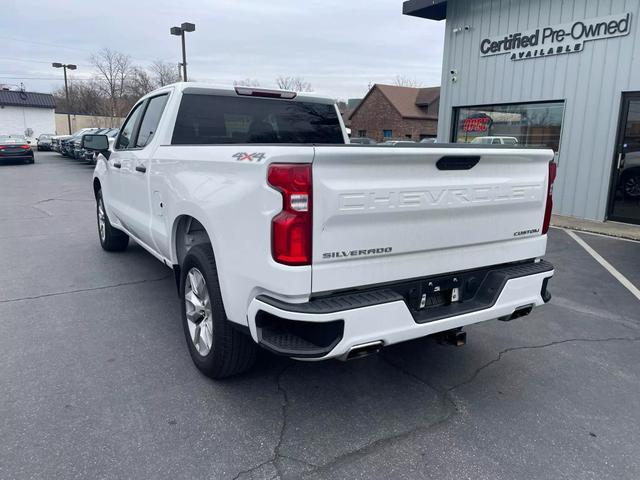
231 90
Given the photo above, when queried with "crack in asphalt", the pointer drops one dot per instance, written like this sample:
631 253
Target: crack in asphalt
535 347
80 290
445 398
36 206
41 210
277 455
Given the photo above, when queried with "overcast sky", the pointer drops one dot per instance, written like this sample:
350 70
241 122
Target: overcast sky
339 46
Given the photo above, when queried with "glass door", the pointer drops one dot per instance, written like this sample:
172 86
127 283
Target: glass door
624 202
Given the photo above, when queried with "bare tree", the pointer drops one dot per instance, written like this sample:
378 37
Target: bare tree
139 83
84 98
114 70
402 81
247 82
164 73
295 84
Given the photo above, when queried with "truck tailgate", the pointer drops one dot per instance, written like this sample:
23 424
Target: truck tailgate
382 214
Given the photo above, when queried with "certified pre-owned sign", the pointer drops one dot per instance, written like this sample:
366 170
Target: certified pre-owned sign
556 40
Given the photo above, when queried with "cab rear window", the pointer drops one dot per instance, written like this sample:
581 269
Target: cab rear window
227 120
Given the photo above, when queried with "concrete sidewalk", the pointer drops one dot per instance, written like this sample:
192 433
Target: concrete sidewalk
612 229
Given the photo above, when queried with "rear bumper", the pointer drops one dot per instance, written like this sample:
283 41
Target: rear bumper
16 158
385 316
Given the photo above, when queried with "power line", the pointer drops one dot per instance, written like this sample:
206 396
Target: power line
45 78
48 44
37 61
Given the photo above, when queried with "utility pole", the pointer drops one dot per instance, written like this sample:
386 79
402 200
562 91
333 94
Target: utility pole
66 87
180 31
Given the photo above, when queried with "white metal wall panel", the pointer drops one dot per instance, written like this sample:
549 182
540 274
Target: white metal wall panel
590 82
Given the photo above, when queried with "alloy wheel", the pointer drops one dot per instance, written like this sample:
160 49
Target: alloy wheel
632 186
101 220
198 310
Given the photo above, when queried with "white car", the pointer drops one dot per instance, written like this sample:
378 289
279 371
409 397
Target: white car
282 235
495 140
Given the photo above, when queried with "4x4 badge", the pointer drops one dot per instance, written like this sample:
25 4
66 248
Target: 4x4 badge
249 157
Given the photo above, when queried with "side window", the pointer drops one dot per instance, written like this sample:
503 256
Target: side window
151 119
126 132
496 141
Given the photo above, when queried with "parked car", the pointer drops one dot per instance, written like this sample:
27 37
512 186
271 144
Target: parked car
43 142
56 142
429 140
91 156
629 176
77 151
495 140
15 148
280 237
66 144
363 141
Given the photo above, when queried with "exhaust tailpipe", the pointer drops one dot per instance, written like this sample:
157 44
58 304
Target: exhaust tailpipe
522 311
364 349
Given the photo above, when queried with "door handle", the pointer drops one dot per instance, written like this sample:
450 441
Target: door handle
141 169
620 160
117 165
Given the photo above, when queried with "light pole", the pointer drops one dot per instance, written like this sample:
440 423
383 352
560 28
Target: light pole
179 31
66 86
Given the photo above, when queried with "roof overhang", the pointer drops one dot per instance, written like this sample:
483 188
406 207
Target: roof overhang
431 9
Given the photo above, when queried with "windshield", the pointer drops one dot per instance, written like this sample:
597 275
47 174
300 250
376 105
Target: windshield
211 120
483 140
44 137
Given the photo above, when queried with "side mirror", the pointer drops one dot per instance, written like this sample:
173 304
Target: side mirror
99 143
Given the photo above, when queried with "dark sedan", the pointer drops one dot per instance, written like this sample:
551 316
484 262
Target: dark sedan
44 142
15 148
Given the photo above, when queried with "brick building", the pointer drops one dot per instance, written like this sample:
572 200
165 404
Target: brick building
388 112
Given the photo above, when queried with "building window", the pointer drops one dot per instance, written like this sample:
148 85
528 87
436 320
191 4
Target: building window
538 124
387 133
408 136
362 133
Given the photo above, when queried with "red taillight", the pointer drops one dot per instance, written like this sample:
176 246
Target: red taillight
547 211
25 147
291 228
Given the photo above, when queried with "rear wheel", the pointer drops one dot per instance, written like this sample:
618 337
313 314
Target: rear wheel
111 239
217 349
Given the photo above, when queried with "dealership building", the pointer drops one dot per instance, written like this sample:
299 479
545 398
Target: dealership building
564 74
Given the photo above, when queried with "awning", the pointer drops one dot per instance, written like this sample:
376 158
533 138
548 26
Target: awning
431 9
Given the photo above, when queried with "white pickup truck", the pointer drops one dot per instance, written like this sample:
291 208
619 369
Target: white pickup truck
283 235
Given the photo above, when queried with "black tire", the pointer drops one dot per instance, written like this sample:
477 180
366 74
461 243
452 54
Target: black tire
232 352
113 240
30 161
630 182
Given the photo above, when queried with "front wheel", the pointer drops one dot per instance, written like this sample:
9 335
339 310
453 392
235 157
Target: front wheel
111 239
631 185
217 349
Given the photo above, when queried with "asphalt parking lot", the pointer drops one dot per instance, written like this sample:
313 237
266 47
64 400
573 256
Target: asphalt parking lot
96 380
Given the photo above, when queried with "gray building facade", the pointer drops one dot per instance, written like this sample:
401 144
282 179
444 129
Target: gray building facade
560 73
